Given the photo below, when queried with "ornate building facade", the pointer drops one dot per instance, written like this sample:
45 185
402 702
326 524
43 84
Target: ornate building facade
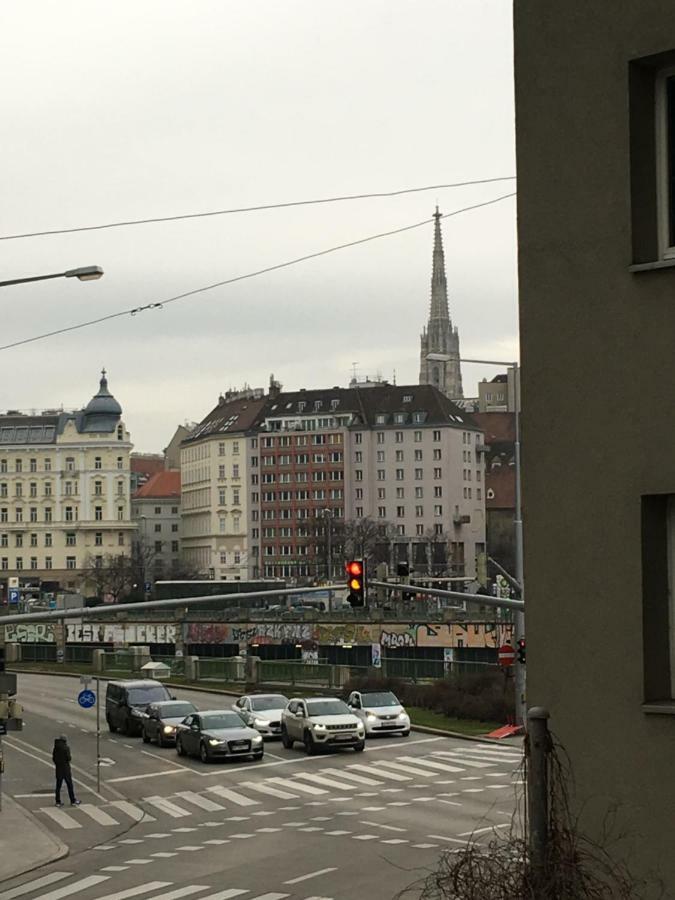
439 341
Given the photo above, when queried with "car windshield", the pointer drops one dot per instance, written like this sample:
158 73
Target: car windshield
277 701
143 695
327 708
380 698
221 720
175 710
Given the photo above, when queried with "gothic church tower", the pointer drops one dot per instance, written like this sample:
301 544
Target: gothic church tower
439 342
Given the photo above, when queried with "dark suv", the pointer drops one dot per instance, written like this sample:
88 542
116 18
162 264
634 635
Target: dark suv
126 702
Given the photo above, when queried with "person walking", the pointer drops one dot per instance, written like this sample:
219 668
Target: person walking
61 758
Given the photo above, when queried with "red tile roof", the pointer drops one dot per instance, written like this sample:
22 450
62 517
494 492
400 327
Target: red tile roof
147 465
162 484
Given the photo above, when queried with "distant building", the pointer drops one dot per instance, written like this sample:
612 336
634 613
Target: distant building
143 467
155 508
172 450
216 470
498 394
439 342
64 491
500 486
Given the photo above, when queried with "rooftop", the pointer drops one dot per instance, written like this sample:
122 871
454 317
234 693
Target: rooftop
161 485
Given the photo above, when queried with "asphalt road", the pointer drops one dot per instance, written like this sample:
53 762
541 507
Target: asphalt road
327 827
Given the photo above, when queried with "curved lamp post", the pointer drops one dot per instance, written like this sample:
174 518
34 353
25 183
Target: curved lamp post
84 273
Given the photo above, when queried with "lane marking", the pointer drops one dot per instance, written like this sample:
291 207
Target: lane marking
228 894
380 825
61 818
74 888
311 875
432 764
147 775
181 892
329 782
264 788
360 779
401 768
134 812
29 886
294 785
482 830
392 776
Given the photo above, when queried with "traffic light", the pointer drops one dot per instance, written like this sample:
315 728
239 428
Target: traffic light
356 581
521 650
402 569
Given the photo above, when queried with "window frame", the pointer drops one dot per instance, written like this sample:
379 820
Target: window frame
664 214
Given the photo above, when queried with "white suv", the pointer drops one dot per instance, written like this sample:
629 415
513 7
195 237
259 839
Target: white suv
380 712
321 722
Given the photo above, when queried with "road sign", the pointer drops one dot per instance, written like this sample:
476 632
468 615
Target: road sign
13 596
52 603
147 587
85 680
13 581
506 655
86 699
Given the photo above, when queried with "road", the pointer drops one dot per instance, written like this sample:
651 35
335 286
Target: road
326 827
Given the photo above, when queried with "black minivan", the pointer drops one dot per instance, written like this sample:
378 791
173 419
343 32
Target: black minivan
126 701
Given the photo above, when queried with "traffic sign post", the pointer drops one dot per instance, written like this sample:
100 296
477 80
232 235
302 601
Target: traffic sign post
506 655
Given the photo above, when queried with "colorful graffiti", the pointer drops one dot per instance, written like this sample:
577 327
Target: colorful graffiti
456 634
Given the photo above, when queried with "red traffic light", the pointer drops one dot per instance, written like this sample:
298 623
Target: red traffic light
354 568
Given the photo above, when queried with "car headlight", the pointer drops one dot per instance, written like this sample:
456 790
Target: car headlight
402 716
371 717
261 723
214 742
318 726
136 712
168 729
257 739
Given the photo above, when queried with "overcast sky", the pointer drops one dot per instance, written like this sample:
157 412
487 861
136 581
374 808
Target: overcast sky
115 111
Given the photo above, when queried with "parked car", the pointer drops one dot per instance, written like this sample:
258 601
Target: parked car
262 712
380 711
321 722
160 720
217 734
126 701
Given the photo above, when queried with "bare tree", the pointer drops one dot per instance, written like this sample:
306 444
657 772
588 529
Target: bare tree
436 551
369 538
110 575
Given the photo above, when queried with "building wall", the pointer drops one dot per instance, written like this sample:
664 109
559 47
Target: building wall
421 479
73 503
158 520
214 478
597 356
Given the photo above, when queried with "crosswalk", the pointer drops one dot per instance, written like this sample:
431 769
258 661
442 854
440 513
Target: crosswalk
70 885
435 770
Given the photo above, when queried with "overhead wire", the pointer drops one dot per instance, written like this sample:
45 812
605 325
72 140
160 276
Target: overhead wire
259 208
273 268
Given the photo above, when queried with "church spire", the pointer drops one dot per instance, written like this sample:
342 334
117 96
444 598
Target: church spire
439 285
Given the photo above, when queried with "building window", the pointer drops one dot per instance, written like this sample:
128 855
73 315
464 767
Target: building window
48 465
97 462
120 488
174 546
18 490
71 562
33 562
419 511
48 514
120 462
380 475
380 437
419 474
19 514
235 496
438 528
5 562
71 539
48 562
3 489
158 527
18 466
419 530
33 514
18 540
33 540
98 488
399 474
3 465
658 592
438 474
380 456
98 539
33 465
70 464
4 540
358 437
438 510
399 437
48 489
98 513
19 562
382 512
174 527
400 493
400 530
120 433
665 157
235 448
221 471
437 453
221 496
358 475
418 437
400 512
438 491
359 493
158 546
120 539
437 435
120 513
33 489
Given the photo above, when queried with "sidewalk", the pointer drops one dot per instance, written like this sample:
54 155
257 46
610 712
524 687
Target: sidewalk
24 843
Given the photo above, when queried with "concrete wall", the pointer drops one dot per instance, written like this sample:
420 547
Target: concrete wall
598 361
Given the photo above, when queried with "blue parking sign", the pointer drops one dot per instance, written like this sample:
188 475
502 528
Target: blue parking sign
13 596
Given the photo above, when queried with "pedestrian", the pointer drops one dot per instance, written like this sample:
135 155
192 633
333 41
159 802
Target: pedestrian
61 758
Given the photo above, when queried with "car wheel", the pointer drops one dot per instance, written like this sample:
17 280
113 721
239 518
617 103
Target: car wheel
310 746
146 738
180 750
111 728
160 739
360 747
286 741
204 753
258 755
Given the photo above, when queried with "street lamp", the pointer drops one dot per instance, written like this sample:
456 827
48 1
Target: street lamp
84 273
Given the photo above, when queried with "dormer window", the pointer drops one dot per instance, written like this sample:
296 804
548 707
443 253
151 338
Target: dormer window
400 418
317 405
407 398
120 433
301 406
380 419
334 404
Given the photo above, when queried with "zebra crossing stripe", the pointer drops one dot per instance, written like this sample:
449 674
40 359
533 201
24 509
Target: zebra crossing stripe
432 764
466 761
74 888
171 809
264 788
98 815
296 786
273 895
227 895
360 779
34 885
135 891
181 892
198 800
392 776
134 812
409 769
228 794
329 782
61 818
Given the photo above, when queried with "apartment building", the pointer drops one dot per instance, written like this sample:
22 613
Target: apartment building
64 491
155 508
214 478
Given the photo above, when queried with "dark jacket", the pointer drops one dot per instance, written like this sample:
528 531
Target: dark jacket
61 757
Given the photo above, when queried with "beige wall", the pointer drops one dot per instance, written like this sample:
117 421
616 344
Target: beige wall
215 505
598 366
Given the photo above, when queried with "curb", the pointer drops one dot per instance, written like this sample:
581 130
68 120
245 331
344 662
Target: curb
60 850
424 729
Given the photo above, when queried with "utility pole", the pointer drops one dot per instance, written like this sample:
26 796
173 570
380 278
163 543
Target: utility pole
519 618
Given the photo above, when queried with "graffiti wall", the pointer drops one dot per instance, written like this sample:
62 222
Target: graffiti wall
465 634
